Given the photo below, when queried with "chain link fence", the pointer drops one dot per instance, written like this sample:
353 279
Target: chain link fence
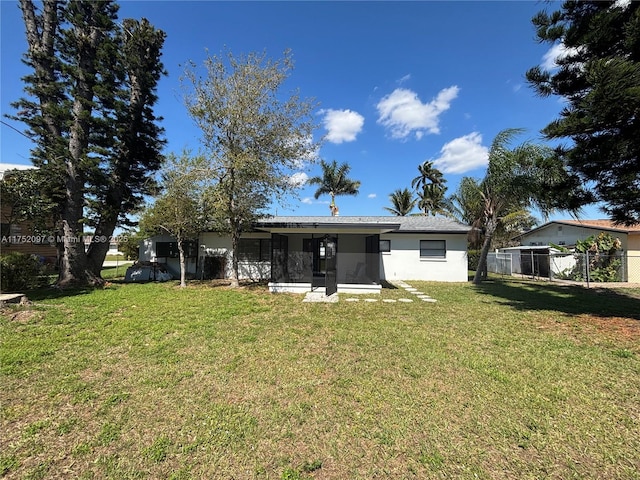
578 267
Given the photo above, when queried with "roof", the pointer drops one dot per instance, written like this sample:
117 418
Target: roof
409 224
601 224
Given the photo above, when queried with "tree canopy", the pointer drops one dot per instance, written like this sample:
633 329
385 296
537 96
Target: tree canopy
181 210
254 135
598 75
527 175
402 202
430 187
88 108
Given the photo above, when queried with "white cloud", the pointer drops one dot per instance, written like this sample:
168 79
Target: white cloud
559 50
621 4
372 195
403 113
312 201
462 154
298 179
404 79
342 125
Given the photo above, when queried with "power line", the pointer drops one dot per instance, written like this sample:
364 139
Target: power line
15 129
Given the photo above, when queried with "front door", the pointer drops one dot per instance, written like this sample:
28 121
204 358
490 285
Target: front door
331 256
372 253
279 258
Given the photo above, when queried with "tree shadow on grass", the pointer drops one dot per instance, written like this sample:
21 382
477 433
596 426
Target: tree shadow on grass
52 293
567 299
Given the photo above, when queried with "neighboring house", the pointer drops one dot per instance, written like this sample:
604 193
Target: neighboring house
113 244
347 254
567 232
19 236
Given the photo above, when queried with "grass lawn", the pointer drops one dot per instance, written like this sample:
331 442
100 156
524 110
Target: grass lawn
507 380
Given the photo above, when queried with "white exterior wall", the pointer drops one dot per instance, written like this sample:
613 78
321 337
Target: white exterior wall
147 253
212 243
633 258
566 235
404 262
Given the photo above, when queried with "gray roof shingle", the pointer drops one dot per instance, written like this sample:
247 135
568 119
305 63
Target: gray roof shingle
409 224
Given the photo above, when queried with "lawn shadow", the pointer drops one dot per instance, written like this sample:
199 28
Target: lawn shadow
52 293
567 299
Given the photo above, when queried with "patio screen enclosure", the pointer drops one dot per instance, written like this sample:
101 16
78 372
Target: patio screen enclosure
325 260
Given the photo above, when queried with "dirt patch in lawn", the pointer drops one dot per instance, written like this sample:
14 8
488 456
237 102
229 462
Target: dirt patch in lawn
620 331
19 316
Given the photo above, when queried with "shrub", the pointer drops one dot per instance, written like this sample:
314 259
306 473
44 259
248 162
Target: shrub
19 271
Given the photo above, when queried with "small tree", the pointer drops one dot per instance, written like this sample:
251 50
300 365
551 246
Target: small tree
181 209
253 139
334 181
603 254
22 199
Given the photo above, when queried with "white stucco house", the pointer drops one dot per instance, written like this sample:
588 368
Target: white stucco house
344 254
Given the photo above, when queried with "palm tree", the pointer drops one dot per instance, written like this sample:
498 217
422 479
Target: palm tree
430 188
528 175
334 181
428 175
431 199
402 202
466 207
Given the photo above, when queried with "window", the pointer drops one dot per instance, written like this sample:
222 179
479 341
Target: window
433 248
5 230
170 250
385 245
254 249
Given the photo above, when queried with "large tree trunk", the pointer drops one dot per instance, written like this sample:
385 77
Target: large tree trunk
41 33
74 266
107 224
99 247
481 272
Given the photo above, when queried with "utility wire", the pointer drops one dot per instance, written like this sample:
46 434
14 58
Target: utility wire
15 129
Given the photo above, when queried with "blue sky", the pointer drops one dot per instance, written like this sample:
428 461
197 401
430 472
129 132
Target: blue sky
398 83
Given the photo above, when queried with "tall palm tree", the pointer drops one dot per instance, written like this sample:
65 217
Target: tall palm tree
334 181
528 175
430 188
431 199
402 202
428 175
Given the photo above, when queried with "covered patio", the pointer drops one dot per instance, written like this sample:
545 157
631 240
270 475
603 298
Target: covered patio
330 254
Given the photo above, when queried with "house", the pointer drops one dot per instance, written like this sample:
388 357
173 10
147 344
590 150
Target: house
22 237
18 235
345 254
567 232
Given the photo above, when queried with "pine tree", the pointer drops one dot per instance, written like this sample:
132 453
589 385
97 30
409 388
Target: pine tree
88 109
599 77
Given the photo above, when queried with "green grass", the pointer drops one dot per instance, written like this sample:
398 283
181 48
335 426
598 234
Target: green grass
506 380
110 273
